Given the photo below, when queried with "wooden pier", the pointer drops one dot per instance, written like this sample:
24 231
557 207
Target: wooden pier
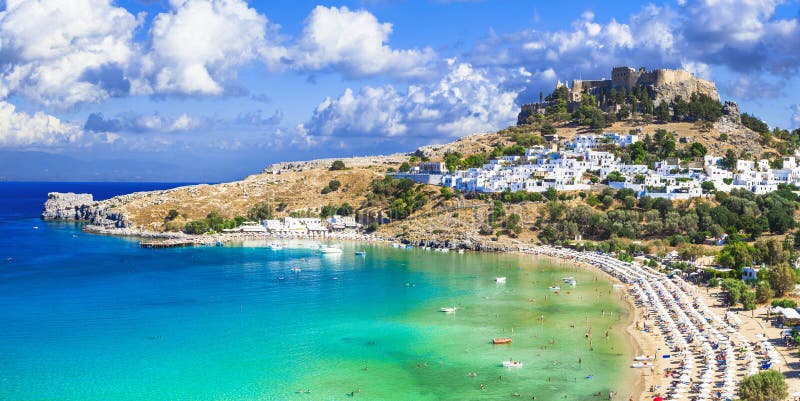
169 243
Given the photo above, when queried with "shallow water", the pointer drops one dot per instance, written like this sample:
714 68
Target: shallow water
96 318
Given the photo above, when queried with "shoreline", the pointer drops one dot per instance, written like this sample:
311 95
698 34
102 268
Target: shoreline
637 341
641 342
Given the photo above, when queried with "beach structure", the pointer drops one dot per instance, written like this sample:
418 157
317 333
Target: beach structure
713 355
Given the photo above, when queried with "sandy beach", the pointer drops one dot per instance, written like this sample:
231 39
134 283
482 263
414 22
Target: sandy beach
700 349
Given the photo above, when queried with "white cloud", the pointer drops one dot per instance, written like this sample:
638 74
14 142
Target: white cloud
354 43
18 129
63 52
199 44
464 101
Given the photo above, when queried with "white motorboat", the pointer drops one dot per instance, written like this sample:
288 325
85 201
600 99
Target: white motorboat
500 279
451 309
555 288
276 246
329 249
512 364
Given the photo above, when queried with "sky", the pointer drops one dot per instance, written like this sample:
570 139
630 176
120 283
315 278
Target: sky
215 90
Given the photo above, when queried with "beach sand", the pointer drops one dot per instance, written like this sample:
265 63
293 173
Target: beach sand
759 322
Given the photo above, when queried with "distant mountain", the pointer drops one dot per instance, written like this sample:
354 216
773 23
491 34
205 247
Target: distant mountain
42 166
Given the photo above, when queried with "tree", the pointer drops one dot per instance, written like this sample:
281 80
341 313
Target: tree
769 385
337 165
763 292
734 290
782 279
708 186
334 185
512 223
697 149
172 215
551 193
615 176
344 210
327 211
748 300
196 227
662 112
261 211
548 129
405 167
446 193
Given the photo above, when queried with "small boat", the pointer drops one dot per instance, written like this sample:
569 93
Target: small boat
276 246
35 227
296 269
642 365
361 253
451 309
500 279
571 282
512 364
329 249
501 341
642 358
555 288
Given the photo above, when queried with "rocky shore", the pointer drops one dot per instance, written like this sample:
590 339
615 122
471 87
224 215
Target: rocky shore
82 207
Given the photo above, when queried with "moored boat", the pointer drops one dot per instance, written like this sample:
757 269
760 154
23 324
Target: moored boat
361 253
329 249
451 309
500 279
555 288
501 341
276 246
512 364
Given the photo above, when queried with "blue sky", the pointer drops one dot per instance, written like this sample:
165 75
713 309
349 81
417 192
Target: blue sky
211 90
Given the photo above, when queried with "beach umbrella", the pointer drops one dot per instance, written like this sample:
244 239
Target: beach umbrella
658 399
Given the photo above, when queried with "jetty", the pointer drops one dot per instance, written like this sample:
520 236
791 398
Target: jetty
167 243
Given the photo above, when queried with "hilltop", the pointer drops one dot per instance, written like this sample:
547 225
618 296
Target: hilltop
432 215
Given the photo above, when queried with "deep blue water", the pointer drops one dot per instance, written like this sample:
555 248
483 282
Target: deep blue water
89 317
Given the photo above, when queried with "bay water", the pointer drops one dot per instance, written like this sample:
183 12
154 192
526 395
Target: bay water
89 317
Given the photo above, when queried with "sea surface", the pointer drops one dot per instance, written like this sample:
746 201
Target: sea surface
88 317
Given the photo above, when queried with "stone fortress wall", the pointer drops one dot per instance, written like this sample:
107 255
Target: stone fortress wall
665 83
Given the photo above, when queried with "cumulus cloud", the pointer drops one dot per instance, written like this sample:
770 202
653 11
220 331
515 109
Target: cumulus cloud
464 101
354 43
19 129
702 36
63 52
198 44
137 123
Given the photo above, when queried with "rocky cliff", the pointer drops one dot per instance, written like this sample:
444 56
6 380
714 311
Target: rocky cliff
82 207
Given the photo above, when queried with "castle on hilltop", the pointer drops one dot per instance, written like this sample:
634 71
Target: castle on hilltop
661 85
665 84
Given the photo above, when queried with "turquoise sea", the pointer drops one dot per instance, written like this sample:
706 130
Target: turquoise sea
87 317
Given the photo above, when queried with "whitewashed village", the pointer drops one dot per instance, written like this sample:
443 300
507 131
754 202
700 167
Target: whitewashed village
580 165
